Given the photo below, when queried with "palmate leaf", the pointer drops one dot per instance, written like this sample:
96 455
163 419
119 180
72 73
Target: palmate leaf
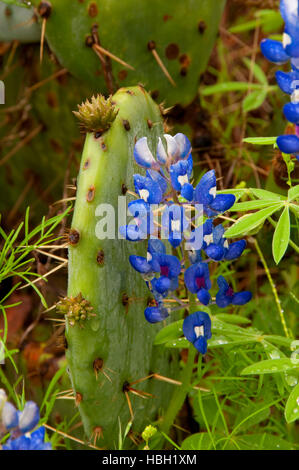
250 221
251 205
281 236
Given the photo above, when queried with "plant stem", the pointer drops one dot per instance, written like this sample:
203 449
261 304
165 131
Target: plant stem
181 392
274 290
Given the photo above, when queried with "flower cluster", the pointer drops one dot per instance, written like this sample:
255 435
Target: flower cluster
20 425
187 215
288 82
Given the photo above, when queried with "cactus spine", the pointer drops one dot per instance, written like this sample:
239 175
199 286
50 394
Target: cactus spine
114 347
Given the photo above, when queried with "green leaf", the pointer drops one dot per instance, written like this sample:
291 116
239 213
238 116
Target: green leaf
169 333
178 343
229 86
270 366
200 441
281 236
235 319
266 195
251 205
260 140
254 100
248 222
262 441
257 71
293 193
291 411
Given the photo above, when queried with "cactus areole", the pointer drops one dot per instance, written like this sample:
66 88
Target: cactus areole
109 343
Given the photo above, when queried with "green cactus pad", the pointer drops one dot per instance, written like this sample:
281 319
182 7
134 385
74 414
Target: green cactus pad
181 32
115 348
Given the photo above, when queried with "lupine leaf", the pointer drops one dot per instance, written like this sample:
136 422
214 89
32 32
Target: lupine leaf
254 100
263 194
270 366
260 140
257 71
281 236
251 205
169 332
291 411
293 193
248 222
235 319
229 86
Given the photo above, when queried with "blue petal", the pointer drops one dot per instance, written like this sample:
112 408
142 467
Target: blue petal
215 252
222 300
274 51
155 314
188 192
288 143
161 152
29 417
20 443
222 202
290 41
289 10
205 191
198 270
10 416
162 284
140 264
235 250
194 320
183 144
170 265
143 156
222 283
203 296
148 189
201 344
178 174
132 233
155 176
286 81
291 112
172 147
241 298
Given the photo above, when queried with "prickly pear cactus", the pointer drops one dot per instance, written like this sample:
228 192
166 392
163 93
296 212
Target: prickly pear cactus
180 32
17 22
45 128
110 345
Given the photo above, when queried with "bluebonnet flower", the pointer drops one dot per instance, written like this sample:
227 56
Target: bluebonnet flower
156 314
217 247
33 441
20 424
197 280
282 52
197 329
205 194
226 295
168 184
